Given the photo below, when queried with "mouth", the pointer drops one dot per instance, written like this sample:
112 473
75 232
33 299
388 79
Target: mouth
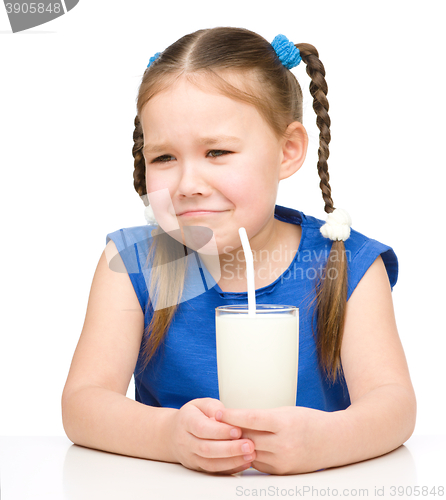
200 213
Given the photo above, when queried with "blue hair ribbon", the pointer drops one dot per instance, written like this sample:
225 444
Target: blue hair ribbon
286 51
153 58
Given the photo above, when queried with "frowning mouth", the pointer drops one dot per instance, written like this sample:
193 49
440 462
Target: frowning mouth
197 213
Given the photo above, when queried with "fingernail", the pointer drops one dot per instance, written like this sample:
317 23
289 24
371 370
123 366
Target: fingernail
218 415
245 448
248 458
234 433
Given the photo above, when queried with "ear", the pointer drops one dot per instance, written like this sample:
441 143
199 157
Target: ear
294 149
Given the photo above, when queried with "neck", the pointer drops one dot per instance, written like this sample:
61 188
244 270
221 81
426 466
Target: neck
271 255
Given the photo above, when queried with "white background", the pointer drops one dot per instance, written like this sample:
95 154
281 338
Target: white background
67 105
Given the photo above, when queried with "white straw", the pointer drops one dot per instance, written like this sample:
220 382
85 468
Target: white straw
249 271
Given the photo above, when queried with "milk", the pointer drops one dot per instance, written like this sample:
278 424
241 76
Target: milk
257 359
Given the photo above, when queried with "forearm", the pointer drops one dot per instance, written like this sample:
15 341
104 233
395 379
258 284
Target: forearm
373 425
99 418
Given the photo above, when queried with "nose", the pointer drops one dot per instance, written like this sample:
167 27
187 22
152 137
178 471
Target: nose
192 182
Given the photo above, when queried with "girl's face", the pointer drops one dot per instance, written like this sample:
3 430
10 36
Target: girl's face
217 156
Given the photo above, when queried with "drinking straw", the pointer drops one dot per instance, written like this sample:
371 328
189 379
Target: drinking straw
249 271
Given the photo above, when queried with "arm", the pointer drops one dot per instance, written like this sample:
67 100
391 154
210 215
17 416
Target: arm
383 410
95 410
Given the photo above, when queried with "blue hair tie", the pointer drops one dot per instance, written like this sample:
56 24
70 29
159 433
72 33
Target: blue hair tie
288 54
153 58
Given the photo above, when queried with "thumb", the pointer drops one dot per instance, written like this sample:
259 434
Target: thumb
209 406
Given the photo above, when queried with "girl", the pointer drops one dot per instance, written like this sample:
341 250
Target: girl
218 126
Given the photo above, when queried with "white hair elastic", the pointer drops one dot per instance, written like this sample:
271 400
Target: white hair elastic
337 227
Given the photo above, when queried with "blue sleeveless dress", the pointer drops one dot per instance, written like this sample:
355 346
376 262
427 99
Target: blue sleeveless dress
185 366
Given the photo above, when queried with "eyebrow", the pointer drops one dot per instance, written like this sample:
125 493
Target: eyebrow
203 141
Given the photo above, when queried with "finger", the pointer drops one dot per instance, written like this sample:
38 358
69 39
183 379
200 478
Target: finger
204 427
261 420
263 440
236 470
209 406
264 467
241 468
224 465
211 449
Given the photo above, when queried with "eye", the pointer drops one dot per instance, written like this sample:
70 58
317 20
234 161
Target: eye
216 153
162 159
213 153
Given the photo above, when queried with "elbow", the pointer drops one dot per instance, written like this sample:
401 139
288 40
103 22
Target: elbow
414 415
409 416
68 407
66 415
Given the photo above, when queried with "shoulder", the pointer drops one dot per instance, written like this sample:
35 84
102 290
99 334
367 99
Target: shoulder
356 242
129 236
132 243
127 252
360 250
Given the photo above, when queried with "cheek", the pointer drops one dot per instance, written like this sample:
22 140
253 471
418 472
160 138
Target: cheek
232 188
246 187
156 181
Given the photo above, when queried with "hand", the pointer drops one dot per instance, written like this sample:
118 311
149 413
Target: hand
287 439
201 443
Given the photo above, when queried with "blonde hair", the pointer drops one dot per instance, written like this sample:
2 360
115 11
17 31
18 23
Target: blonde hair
274 91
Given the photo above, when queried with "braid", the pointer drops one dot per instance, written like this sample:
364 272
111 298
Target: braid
139 173
319 90
332 289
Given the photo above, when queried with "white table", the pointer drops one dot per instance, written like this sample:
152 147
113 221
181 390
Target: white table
48 468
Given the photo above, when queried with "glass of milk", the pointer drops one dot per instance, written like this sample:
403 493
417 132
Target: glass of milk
257 355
